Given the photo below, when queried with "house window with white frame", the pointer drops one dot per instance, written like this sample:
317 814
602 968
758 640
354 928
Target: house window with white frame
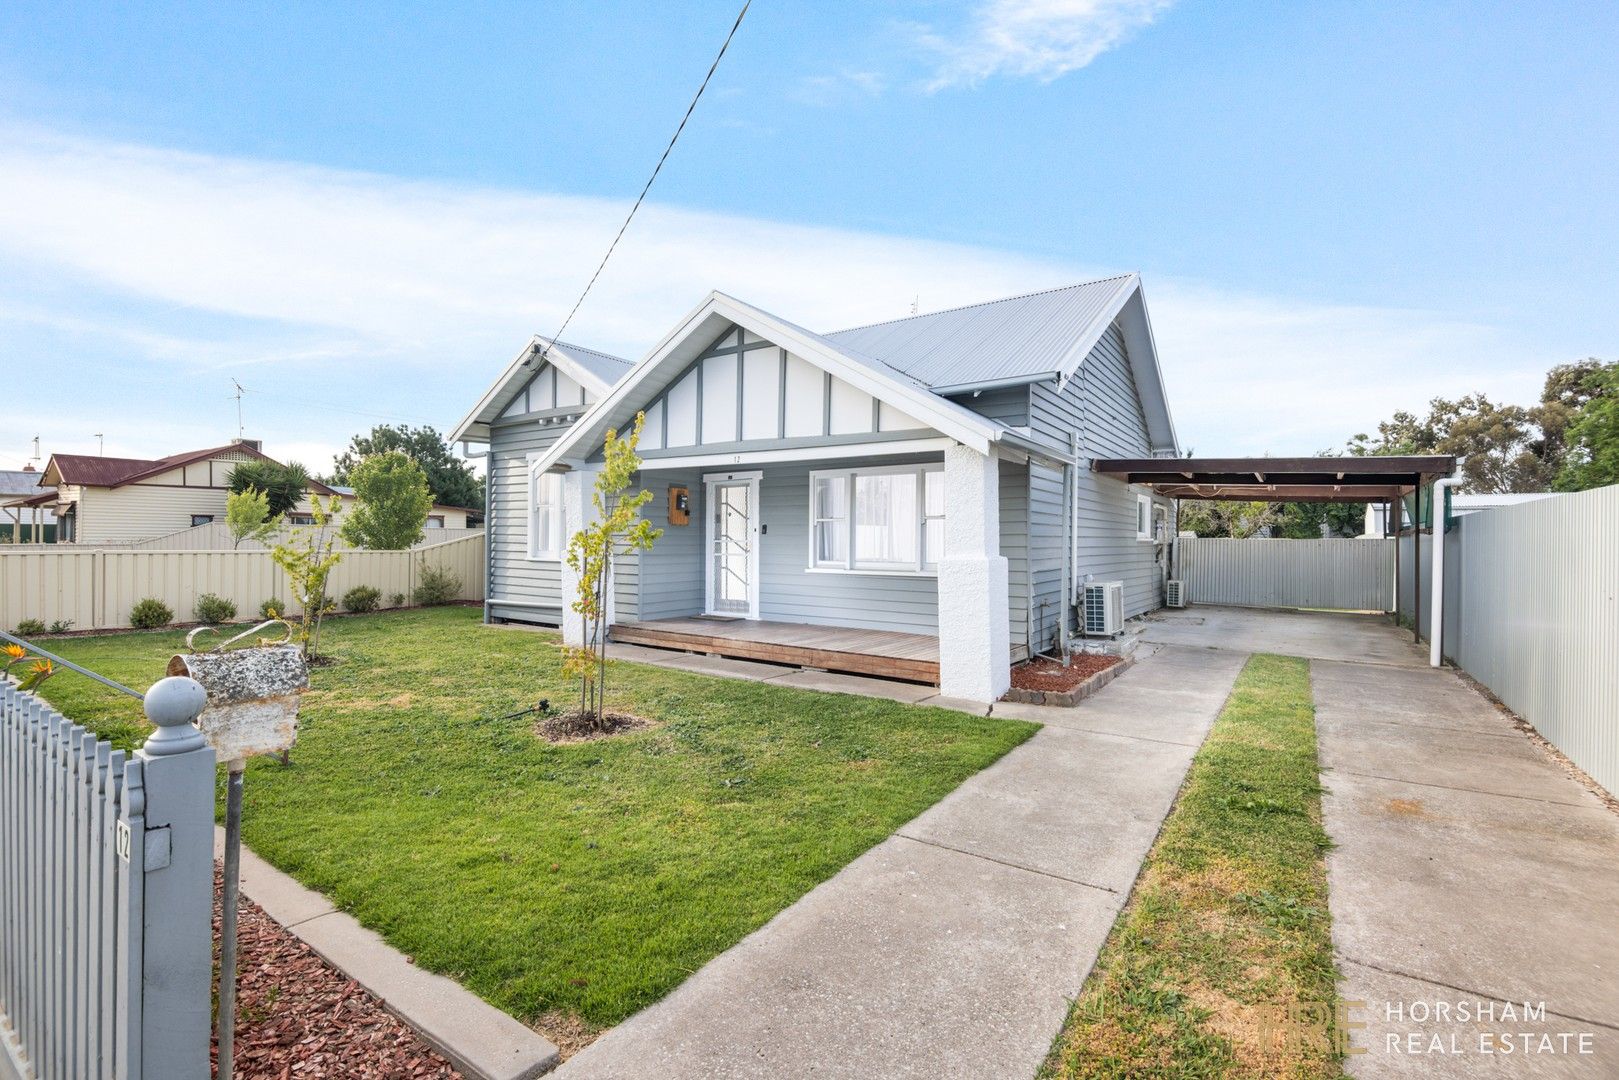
1143 517
545 539
879 520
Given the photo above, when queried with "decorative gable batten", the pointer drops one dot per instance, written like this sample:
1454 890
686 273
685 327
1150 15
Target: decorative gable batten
744 388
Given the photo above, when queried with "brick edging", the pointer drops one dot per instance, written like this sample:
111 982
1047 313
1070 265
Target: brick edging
1070 698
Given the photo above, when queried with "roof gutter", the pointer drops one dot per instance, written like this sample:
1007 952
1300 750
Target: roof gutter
996 384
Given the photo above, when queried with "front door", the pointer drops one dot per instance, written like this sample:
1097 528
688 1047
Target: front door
733 564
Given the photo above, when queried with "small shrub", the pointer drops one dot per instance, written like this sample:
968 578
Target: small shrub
214 610
362 598
398 599
29 628
149 614
272 609
61 626
436 585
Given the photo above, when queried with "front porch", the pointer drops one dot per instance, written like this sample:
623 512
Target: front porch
886 654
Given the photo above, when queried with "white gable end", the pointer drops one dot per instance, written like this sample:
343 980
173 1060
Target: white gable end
746 389
550 388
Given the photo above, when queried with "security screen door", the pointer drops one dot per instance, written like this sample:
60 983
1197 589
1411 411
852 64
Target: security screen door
731 542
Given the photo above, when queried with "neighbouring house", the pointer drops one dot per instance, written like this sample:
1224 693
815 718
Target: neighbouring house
912 498
26 514
108 500
438 517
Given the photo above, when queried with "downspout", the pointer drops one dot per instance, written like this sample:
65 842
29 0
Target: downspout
1437 613
1065 601
488 521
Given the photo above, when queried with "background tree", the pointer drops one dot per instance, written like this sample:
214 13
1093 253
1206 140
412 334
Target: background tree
1234 519
284 485
1592 459
1497 440
618 530
1510 448
391 501
451 479
247 516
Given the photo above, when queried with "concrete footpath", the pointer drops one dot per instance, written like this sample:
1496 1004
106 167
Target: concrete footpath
953 948
1470 872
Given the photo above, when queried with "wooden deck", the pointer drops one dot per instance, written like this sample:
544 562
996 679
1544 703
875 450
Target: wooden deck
884 653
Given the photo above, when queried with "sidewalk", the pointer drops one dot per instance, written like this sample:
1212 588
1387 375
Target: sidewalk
952 948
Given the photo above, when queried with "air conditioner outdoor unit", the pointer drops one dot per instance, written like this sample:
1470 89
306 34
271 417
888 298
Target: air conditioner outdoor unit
1102 608
1175 593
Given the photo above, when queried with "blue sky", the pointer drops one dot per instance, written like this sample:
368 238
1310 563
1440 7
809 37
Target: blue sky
362 211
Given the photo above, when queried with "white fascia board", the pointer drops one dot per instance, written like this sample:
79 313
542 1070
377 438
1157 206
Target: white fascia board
962 425
1149 375
1098 326
936 444
555 355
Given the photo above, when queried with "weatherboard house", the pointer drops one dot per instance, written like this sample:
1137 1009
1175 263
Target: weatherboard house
910 499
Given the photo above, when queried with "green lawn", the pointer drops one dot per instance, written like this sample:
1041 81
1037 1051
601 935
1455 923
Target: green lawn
1221 964
590 879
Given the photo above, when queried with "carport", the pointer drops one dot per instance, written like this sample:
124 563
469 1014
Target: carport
1389 481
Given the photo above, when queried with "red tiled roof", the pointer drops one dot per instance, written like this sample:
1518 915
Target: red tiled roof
89 470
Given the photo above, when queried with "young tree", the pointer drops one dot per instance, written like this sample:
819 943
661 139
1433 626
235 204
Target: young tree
391 501
308 556
618 530
451 479
284 485
247 516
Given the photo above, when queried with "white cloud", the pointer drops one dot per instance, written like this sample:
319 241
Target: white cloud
147 277
1039 39
839 89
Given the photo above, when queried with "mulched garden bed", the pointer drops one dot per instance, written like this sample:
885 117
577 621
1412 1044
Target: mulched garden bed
573 727
298 1018
1043 681
1046 674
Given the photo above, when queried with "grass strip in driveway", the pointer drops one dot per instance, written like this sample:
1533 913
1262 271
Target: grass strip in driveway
569 885
1221 964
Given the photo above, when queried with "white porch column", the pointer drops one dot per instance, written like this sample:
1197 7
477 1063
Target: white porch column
974 601
578 510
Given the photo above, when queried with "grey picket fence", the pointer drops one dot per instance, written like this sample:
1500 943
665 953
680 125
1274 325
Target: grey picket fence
106 894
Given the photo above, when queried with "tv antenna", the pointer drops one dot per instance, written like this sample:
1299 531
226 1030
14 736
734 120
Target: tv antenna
240 390
916 302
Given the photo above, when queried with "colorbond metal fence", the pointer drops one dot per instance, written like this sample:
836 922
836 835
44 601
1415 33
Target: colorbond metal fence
1351 575
106 894
95 589
1532 612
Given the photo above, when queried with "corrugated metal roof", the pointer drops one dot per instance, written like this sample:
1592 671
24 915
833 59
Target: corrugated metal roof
609 369
19 482
1025 336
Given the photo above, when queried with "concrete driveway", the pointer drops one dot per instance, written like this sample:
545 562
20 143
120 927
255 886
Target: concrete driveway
1471 872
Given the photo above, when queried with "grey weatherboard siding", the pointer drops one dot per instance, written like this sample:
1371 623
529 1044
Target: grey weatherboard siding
1098 408
1101 406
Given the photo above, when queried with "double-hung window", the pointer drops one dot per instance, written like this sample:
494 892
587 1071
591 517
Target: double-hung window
545 515
882 520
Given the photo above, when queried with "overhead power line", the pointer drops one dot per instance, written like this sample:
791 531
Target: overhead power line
726 44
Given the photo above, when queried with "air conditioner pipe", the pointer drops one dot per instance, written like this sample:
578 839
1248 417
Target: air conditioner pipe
1436 629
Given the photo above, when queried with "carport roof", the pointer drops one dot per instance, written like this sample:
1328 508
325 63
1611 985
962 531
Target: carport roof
1275 479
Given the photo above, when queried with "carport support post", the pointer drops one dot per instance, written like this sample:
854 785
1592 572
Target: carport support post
975 651
578 512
